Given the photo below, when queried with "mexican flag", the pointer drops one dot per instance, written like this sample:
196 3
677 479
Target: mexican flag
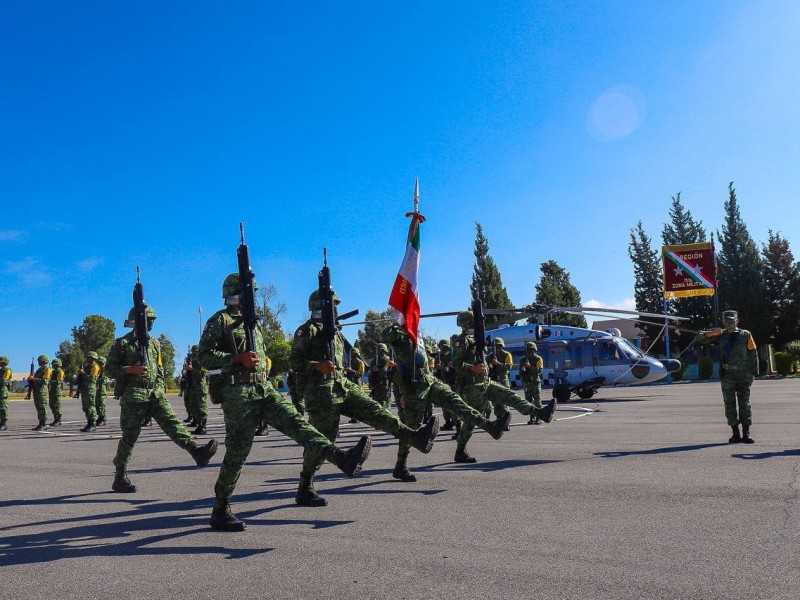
404 299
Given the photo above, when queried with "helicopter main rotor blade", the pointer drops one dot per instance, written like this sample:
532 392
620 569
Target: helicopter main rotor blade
585 309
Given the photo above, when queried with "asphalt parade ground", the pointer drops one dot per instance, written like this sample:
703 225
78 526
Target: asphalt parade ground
632 494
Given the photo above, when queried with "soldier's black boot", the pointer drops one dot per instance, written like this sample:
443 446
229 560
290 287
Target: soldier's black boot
462 456
401 471
736 437
307 495
201 428
122 485
89 426
188 420
3 425
498 427
58 422
147 422
41 426
448 425
100 422
350 461
546 413
223 519
262 431
422 439
202 454
746 435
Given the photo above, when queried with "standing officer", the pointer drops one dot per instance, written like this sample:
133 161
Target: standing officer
56 381
247 396
100 394
89 391
419 389
41 386
5 386
379 376
476 388
328 394
530 370
738 367
142 389
499 368
197 391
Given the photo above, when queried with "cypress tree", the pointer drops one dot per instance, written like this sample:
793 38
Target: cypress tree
740 273
782 281
486 280
648 286
556 289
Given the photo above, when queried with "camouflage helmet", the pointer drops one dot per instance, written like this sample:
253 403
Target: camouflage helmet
101 359
355 351
56 362
530 346
149 313
383 348
93 355
315 304
4 359
444 344
465 319
195 348
730 314
499 342
43 358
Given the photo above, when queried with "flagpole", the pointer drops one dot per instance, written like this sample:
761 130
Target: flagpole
414 342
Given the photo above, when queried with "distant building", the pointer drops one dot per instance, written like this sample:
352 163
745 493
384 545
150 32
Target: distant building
626 327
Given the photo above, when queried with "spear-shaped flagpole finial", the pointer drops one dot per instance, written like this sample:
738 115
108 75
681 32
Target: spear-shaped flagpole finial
416 194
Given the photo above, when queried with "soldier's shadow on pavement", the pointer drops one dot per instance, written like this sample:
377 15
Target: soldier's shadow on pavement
123 533
667 450
792 452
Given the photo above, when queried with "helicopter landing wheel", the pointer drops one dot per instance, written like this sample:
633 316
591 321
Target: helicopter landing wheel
561 392
586 393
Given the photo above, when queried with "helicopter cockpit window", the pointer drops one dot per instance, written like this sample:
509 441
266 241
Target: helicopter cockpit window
629 349
608 351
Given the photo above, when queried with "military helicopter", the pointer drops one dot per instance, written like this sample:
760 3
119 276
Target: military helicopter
578 360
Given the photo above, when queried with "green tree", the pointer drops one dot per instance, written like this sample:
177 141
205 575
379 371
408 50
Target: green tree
648 286
556 289
278 350
167 357
95 334
269 310
71 357
740 273
684 229
782 281
486 281
370 336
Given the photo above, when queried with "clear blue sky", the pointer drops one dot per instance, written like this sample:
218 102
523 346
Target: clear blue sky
143 132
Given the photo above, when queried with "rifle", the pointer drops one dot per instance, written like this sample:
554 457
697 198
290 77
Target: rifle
140 320
30 383
328 307
248 300
480 329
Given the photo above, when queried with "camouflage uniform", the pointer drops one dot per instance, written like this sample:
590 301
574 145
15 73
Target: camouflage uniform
357 367
143 397
197 390
297 399
5 386
327 396
41 390
499 372
101 392
417 395
247 397
89 390
478 390
738 366
530 370
56 382
379 378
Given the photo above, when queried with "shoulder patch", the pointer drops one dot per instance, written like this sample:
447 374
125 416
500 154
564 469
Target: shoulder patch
299 333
